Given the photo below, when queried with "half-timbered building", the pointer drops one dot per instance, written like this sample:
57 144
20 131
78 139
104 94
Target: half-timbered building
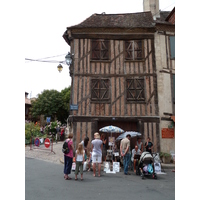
113 75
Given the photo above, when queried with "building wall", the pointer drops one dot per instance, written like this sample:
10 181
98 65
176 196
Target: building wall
165 68
117 70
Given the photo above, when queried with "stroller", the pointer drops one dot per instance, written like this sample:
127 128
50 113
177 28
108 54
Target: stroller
146 165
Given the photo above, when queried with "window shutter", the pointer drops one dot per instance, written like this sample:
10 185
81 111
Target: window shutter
100 50
173 94
172 46
100 90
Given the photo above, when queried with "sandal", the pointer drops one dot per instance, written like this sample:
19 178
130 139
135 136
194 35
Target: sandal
82 179
76 179
68 178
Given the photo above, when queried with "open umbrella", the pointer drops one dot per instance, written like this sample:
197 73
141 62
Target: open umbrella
132 133
111 129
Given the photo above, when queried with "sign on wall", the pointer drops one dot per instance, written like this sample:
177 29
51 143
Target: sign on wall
73 107
167 133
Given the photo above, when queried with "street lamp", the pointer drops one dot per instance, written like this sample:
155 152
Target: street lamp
60 67
68 59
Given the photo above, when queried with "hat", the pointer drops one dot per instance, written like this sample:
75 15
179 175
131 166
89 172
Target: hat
96 135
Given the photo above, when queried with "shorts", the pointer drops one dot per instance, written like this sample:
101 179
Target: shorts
96 158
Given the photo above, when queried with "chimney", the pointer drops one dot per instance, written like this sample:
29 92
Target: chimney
153 6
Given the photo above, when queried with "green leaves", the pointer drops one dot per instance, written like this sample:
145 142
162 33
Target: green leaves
52 103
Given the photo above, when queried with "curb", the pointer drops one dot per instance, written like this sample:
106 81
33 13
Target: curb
163 165
167 166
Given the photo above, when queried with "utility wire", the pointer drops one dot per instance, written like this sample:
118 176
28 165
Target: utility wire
41 59
49 61
164 8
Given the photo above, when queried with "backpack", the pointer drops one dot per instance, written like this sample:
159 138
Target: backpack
65 148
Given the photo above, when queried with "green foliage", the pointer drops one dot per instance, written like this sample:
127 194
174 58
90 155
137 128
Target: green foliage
30 128
163 154
52 103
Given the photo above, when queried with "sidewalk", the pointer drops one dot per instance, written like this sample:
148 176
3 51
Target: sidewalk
58 158
45 154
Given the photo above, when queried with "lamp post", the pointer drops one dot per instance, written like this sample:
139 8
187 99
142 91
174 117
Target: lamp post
68 60
60 67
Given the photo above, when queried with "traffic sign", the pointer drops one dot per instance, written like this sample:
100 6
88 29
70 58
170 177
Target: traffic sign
47 142
37 142
48 119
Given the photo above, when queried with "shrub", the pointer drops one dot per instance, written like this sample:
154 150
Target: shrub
31 128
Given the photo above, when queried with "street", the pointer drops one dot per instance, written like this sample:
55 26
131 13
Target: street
44 180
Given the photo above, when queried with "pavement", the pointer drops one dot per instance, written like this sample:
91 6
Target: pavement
44 180
56 156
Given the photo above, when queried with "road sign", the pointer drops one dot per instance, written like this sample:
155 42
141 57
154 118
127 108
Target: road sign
48 119
47 142
37 142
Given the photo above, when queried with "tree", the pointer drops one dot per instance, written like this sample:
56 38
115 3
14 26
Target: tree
66 105
52 103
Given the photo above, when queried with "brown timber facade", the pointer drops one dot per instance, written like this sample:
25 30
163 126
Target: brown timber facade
114 80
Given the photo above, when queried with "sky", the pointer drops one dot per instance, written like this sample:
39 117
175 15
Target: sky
46 21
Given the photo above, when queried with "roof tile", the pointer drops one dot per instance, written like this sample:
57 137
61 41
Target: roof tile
127 20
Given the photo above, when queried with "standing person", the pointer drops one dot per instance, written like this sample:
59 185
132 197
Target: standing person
97 153
104 151
57 132
62 135
139 144
148 145
68 158
79 157
85 144
125 152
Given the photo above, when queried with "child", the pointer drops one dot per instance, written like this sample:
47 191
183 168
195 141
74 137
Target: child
90 162
79 157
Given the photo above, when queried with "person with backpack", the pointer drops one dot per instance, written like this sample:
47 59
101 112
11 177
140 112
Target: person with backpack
68 157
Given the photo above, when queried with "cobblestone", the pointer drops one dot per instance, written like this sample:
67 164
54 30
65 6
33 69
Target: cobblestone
45 154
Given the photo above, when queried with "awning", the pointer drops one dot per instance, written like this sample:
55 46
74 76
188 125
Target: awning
173 118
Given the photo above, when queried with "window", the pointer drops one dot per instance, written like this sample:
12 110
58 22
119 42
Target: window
100 50
173 89
100 90
135 89
172 46
134 50
26 112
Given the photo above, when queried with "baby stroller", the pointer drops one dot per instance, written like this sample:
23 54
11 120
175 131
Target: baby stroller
146 165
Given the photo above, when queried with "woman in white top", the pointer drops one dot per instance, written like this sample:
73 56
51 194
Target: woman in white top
97 153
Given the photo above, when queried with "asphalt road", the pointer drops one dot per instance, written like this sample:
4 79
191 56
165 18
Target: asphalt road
44 181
